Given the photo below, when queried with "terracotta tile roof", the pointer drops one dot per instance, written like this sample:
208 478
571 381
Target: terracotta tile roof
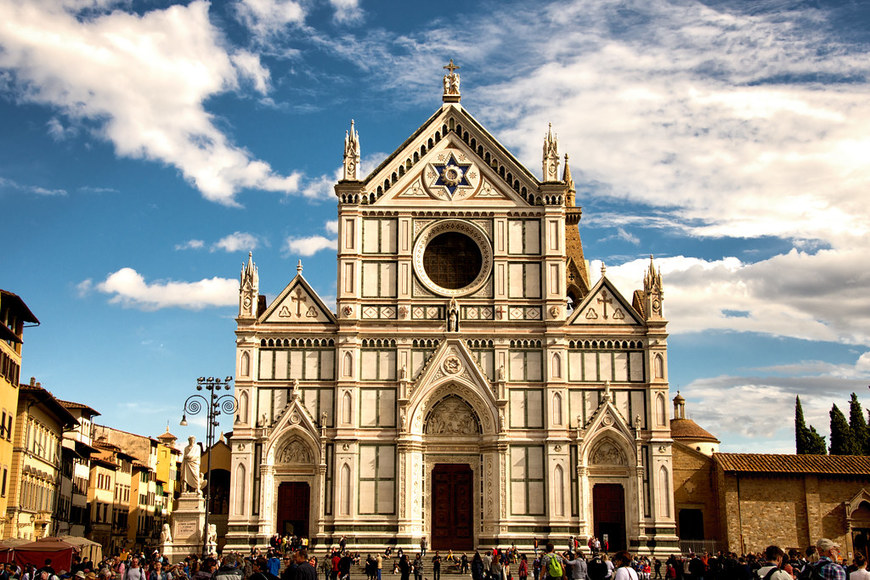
82 406
770 463
688 430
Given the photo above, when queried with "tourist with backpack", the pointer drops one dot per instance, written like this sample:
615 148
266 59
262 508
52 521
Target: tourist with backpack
828 567
552 564
597 568
772 568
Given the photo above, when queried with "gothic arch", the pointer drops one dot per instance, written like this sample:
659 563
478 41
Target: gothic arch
665 489
347 365
557 409
346 408
661 410
452 415
659 366
243 407
559 490
484 410
344 490
557 366
295 446
239 494
245 365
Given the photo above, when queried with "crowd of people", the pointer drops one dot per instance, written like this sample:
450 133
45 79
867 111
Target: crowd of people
290 559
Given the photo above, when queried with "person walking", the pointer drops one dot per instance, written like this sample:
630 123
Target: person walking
436 566
622 569
404 567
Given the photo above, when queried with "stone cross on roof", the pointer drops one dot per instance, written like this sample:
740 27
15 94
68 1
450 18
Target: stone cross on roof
451 84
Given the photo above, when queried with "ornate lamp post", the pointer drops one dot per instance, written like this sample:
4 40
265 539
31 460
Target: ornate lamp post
215 404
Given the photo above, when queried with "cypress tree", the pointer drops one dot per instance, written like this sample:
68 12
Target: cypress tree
859 426
842 439
816 443
801 433
807 439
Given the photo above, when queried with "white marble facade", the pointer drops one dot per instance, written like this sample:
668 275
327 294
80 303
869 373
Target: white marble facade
468 356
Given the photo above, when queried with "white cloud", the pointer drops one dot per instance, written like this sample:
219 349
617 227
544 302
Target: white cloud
190 245
765 414
267 18
347 11
143 79
128 288
814 296
25 188
237 241
332 227
310 245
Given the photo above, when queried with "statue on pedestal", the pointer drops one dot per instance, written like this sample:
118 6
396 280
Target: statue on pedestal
165 535
191 477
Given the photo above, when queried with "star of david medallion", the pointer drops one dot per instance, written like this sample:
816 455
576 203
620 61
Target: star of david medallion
452 179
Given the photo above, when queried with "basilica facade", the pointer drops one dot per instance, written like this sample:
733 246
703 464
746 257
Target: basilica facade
472 386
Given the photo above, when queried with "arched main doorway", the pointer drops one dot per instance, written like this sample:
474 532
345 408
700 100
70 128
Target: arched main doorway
452 431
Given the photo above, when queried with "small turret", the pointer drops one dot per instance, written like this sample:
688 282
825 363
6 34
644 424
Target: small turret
249 288
351 155
652 292
551 156
570 190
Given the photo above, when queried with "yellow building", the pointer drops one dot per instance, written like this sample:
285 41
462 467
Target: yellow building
13 314
36 462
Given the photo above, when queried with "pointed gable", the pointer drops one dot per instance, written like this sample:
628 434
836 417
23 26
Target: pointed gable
298 303
451 159
604 305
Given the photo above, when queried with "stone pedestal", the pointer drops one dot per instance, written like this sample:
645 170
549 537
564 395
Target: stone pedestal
187 523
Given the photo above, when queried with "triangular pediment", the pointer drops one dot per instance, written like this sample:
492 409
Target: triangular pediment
452 371
294 423
605 306
606 422
298 303
451 160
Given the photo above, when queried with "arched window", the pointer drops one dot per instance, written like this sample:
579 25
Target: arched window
557 366
240 490
664 486
344 491
245 365
661 410
347 366
557 409
659 364
346 407
559 490
243 407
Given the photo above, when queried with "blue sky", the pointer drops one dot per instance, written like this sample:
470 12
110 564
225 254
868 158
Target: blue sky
146 147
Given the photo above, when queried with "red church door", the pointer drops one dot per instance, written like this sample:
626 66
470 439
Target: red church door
452 507
608 514
293 507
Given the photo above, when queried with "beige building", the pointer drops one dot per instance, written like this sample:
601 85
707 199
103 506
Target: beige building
77 449
36 463
743 502
14 314
474 386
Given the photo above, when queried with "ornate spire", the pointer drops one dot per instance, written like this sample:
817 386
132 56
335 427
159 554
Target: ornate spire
551 156
249 288
570 190
652 291
652 280
451 84
351 154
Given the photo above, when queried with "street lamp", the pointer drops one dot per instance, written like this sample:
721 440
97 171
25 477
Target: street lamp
215 404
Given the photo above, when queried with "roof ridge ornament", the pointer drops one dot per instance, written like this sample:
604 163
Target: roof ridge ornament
451 84
351 154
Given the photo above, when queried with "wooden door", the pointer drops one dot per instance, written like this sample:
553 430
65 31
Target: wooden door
293 507
452 507
608 514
